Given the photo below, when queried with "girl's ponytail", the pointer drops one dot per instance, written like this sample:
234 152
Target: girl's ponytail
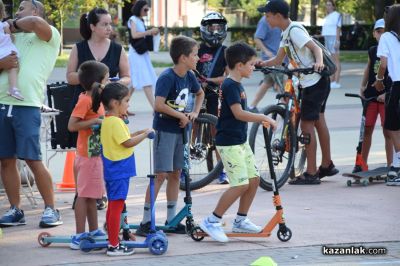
97 90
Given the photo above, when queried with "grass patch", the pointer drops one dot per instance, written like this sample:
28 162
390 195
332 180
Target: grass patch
62 60
354 56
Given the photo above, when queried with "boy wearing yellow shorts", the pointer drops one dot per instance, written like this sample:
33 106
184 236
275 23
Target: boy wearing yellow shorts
232 145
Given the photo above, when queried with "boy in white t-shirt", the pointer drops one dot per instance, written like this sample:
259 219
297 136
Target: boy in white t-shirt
389 53
303 52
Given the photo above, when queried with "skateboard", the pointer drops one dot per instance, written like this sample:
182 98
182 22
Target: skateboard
366 177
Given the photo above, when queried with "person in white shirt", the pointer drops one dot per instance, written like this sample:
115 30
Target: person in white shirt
303 52
331 31
389 53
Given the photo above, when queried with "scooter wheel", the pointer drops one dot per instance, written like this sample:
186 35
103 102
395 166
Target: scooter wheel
365 183
158 245
41 241
284 234
349 183
197 234
85 244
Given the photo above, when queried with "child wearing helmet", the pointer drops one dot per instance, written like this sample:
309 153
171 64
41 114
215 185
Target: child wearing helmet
212 64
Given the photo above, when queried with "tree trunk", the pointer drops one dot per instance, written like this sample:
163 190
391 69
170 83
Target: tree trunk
313 18
294 9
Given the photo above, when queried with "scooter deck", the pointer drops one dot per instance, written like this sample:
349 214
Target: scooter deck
366 177
45 239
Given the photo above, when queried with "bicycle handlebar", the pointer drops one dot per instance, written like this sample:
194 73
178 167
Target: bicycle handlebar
286 71
360 97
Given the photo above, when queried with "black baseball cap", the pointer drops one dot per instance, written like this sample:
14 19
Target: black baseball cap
275 6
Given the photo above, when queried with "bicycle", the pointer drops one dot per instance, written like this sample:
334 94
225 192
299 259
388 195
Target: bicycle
204 166
287 142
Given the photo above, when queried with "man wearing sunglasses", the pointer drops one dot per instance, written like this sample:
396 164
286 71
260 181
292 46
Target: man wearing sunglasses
38 44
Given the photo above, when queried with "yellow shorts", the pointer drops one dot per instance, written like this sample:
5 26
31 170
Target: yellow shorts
239 163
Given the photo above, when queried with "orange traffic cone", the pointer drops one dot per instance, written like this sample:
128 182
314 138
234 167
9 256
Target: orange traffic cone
68 181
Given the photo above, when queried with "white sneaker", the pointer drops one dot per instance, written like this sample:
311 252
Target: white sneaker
214 230
335 85
245 226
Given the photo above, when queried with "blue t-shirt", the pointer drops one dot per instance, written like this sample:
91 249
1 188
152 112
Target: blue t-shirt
270 37
231 131
175 90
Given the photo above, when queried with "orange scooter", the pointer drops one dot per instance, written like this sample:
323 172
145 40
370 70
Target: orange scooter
284 233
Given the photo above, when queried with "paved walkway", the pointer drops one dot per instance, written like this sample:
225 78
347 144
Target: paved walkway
331 214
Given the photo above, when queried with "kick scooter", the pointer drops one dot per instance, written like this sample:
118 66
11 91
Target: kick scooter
284 233
360 164
156 241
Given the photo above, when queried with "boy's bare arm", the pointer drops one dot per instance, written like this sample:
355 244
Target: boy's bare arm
378 84
197 105
317 52
274 61
161 107
246 116
364 81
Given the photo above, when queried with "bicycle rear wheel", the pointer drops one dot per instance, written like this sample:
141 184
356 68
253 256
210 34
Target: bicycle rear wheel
204 166
283 152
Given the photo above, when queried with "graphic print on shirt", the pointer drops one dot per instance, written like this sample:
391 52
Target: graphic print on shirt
179 104
206 60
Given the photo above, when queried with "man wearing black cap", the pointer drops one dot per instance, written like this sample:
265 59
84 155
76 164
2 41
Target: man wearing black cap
303 52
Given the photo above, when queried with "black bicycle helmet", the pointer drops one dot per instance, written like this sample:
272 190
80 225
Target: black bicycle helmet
213 28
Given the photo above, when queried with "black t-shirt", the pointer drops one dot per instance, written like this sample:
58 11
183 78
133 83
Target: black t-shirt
373 69
176 91
206 57
231 131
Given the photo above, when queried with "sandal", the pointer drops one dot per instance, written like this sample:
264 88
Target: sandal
16 94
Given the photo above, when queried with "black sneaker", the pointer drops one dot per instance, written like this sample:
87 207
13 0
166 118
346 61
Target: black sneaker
13 217
119 250
329 171
393 172
143 229
179 229
306 179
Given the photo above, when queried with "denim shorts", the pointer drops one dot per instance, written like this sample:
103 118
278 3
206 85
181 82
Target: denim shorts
168 152
20 132
330 42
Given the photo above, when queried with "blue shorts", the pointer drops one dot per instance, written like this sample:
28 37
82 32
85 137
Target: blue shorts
20 132
117 189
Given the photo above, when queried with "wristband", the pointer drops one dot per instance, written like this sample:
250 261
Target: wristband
15 24
378 79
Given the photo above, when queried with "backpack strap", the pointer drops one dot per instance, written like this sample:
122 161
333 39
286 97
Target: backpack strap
395 35
214 62
290 39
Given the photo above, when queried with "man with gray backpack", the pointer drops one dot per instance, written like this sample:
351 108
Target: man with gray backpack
303 52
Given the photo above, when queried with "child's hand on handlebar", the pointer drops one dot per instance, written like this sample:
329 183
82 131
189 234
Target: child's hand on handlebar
318 67
259 63
192 115
269 122
381 98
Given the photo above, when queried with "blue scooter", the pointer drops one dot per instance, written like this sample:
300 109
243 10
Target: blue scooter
156 241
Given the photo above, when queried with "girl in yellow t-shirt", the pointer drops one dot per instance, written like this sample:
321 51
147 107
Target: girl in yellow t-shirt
118 156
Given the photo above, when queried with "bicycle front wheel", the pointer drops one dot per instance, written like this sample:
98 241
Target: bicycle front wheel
282 145
204 166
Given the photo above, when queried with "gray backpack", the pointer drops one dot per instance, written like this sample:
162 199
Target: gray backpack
330 67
